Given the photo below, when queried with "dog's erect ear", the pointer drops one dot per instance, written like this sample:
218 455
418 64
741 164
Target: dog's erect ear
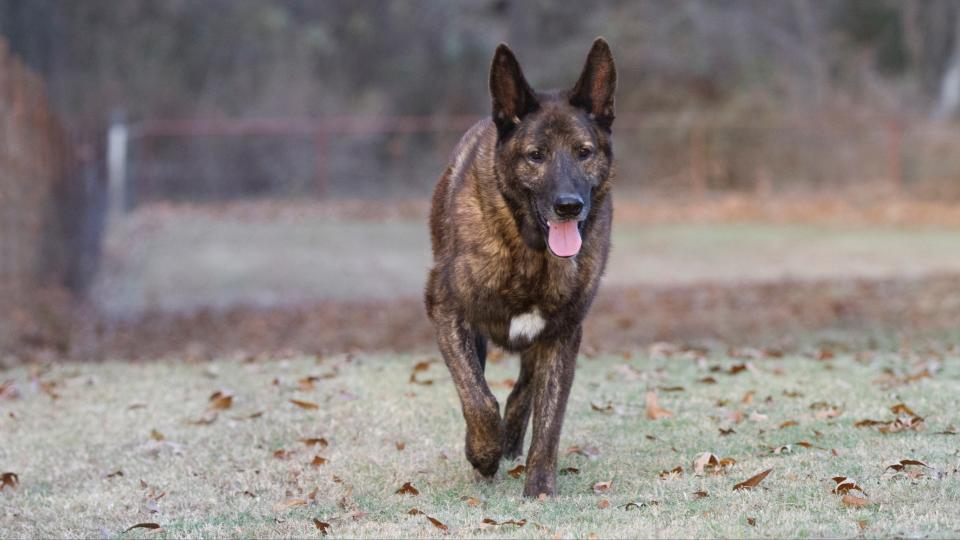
598 82
512 96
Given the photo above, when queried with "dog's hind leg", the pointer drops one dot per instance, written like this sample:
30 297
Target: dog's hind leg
516 415
458 344
481 345
552 379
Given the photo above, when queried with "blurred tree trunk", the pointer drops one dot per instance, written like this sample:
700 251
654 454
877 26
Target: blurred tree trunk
949 98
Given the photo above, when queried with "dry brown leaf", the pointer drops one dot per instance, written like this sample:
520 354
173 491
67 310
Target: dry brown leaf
322 525
671 388
472 501
113 474
152 526
672 473
904 463
407 489
753 481
752 521
9 479
737 368
654 410
602 407
788 423
589 451
517 471
569 470
853 500
156 435
415 512
400 445
901 408
289 503
282 454
316 441
436 523
602 487
707 380
220 401
318 461
701 494
603 504
725 432
304 404
709 463
845 485
747 398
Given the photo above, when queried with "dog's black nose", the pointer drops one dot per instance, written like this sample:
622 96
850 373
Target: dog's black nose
568 206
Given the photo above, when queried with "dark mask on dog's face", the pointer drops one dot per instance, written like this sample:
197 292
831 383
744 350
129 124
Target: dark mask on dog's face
553 149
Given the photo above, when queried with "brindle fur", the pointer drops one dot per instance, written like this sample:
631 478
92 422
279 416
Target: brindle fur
491 261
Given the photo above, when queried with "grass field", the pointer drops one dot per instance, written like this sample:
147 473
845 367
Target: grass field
101 447
191 260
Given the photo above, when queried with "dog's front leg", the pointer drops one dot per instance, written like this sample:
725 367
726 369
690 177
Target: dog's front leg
553 377
480 409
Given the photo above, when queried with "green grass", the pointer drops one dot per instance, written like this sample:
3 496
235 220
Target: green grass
63 448
191 261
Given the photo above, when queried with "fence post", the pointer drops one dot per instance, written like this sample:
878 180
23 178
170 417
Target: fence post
117 137
698 180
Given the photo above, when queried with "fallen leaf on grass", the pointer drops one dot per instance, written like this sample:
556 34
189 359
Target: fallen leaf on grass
113 474
602 407
205 419
9 479
707 380
304 404
156 435
488 523
845 485
603 504
638 505
788 423
950 430
753 481
591 452
289 503
569 470
602 487
707 462
142 526
747 398
323 526
752 521
436 523
671 388
220 401
517 471
318 461
701 494
282 454
654 410
400 445
725 432
407 489
672 473
472 501
853 500
316 441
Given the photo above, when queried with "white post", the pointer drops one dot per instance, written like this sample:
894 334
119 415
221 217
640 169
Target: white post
116 171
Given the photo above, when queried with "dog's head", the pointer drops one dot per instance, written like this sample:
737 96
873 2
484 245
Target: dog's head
553 153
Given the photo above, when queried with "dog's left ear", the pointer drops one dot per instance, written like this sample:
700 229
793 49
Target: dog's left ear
598 82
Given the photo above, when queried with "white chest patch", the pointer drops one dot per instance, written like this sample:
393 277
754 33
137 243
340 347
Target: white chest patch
527 325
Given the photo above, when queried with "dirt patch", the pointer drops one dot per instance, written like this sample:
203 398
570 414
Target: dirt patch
784 314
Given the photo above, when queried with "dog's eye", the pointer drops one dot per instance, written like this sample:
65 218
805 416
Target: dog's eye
584 152
535 156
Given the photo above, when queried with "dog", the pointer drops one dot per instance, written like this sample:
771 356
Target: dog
520 231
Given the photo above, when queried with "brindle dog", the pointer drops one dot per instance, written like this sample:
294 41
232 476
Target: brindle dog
520 228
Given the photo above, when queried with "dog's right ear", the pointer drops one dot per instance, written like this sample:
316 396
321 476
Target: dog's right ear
512 96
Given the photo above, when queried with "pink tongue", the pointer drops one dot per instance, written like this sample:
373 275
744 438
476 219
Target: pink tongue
564 238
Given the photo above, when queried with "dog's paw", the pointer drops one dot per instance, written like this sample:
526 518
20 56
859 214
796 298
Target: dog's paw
540 484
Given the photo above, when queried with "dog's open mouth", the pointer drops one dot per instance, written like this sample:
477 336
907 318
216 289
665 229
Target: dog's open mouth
563 237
